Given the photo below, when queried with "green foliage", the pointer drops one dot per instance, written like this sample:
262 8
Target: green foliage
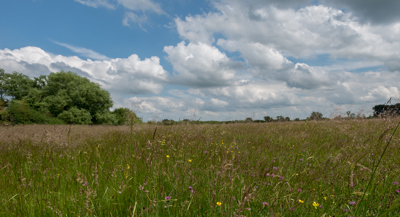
126 116
59 93
18 112
106 118
76 116
65 90
15 85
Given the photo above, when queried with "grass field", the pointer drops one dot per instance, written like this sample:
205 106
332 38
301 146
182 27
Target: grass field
270 169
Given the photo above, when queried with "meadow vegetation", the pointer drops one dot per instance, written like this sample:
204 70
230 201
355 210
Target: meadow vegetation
312 168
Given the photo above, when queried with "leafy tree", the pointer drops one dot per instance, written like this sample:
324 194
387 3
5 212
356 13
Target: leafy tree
316 116
280 118
65 90
16 85
287 119
106 118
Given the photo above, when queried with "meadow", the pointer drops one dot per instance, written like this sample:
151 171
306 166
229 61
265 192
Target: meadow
312 168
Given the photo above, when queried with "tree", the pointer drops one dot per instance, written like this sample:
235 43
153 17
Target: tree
65 90
125 116
268 119
15 85
249 120
316 116
386 109
280 118
59 93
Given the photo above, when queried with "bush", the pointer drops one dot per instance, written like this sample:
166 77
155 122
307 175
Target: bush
76 116
106 118
18 112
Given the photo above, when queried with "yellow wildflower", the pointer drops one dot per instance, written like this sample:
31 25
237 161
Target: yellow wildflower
301 201
315 205
190 160
325 198
167 155
219 203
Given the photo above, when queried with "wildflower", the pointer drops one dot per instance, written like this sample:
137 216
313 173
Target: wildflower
299 190
190 187
397 191
219 203
281 178
86 183
352 203
395 183
272 175
206 152
301 201
300 159
274 168
325 198
265 204
167 156
297 174
190 160
168 198
315 205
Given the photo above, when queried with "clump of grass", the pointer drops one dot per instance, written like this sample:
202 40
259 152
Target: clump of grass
280 169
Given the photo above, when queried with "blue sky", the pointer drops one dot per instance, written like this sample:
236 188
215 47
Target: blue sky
214 59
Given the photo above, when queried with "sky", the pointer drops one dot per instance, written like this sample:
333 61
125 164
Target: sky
214 59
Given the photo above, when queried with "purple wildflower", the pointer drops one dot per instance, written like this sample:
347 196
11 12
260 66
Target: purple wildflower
397 191
281 178
86 183
396 183
191 191
346 210
272 175
267 174
299 190
206 152
274 168
168 198
190 187
352 203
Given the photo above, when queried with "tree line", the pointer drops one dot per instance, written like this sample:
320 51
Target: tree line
59 98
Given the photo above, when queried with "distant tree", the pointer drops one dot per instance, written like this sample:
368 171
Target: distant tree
386 109
268 119
280 118
287 119
316 116
297 119
249 120
125 116
348 114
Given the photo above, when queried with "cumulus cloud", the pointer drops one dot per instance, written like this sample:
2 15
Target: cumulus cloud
302 33
376 12
121 75
201 65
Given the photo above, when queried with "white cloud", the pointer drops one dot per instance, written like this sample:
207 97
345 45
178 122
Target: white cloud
84 51
304 33
135 9
201 65
97 3
124 76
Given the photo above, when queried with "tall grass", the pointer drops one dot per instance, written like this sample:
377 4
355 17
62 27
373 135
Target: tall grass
279 169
